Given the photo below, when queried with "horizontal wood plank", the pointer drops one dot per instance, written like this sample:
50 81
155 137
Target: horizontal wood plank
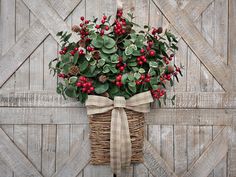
183 100
191 35
45 115
15 158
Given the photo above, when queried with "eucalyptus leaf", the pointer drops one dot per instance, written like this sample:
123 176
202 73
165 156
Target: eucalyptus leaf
73 80
109 42
101 88
109 51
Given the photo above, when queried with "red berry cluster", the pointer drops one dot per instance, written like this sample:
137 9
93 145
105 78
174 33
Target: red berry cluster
158 93
156 31
144 78
81 51
118 80
61 75
103 27
166 60
84 31
63 51
121 66
141 59
86 85
167 76
120 23
90 49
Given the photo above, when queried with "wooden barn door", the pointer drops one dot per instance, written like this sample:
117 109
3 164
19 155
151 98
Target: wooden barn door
43 135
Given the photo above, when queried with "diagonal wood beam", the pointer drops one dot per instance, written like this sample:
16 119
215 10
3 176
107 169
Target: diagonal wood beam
29 41
155 163
78 159
211 156
15 159
190 34
48 16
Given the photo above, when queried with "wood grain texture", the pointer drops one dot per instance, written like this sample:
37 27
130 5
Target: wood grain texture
155 163
15 159
211 156
196 42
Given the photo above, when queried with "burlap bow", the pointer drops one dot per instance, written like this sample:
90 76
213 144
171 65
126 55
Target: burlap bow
120 142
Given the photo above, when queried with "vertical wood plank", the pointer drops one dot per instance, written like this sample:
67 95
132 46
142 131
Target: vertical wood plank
192 144
8 34
5 169
180 150
205 139
49 150
221 169
50 52
167 149
208 33
35 145
63 145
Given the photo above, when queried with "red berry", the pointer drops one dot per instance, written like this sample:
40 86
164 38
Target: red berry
91 89
61 52
72 52
88 91
152 53
118 78
142 51
150 43
81 25
81 52
82 18
78 84
138 82
65 48
89 84
121 68
147 79
103 21
76 49
106 28
97 26
86 22
102 32
104 17
142 77
140 62
84 89
144 60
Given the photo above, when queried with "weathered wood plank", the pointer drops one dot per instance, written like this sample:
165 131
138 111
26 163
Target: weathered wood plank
27 43
211 156
78 159
196 42
43 116
52 99
15 159
49 18
78 116
180 149
35 145
190 117
49 150
155 163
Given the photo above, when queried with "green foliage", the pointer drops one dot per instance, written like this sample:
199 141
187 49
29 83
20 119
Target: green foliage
112 55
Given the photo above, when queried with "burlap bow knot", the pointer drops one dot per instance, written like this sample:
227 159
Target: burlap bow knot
120 142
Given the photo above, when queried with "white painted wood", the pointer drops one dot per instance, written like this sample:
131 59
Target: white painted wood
14 158
49 150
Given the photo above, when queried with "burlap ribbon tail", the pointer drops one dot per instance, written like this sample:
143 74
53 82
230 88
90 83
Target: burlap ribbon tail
120 142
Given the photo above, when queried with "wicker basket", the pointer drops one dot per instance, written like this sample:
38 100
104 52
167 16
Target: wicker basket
100 136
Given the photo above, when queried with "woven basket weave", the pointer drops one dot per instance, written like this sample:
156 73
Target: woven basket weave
100 136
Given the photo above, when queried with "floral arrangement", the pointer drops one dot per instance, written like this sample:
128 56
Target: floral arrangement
112 59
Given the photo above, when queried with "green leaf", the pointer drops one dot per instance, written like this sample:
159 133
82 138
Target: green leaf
106 68
109 51
76 57
132 64
97 42
60 33
114 58
132 87
101 88
141 70
128 50
124 78
171 82
59 88
100 63
65 58
109 42
88 56
131 76
113 69
67 37
84 65
70 91
153 64
73 80
137 76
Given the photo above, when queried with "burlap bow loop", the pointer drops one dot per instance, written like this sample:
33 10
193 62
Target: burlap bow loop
120 142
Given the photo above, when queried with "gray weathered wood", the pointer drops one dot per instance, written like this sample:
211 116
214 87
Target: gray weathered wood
15 159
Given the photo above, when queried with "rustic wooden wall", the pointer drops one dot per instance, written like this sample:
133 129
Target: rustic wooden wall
43 135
